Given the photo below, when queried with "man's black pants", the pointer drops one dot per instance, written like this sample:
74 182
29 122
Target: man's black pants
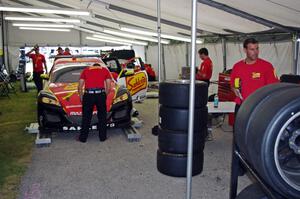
88 103
38 81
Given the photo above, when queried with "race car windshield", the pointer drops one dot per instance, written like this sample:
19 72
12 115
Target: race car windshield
67 75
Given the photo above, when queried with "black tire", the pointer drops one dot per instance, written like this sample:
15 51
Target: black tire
290 78
176 165
252 191
40 115
247 111
175 94
262 138
177 119
177 141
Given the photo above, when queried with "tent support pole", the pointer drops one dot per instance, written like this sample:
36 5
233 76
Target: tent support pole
296 54
191 102
224 53
159 42
187 54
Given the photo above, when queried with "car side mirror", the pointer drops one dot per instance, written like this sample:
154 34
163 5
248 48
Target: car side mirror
44 76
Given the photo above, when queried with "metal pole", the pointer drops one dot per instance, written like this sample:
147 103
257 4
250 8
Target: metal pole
2 41
192 102
187 54
224 53
296 54
163 63
159 42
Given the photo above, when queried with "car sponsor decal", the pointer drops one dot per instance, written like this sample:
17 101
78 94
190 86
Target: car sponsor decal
136 82
78 128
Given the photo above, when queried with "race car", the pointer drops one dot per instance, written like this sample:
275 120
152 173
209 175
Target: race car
130 74
59 106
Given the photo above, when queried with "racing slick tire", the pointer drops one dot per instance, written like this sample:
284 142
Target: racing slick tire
177 119
247 111
175 94
176 164
252 191
177 141
270 141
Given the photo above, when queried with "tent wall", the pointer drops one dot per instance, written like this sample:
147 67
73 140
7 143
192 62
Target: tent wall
280 54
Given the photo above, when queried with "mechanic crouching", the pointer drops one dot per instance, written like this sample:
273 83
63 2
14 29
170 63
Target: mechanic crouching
93 85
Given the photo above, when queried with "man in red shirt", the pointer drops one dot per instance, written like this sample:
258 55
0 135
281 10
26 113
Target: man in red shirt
60 51
67 51
38 60
250 74
93 85
205 69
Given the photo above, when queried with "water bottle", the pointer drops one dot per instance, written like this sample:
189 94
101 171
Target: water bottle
216 101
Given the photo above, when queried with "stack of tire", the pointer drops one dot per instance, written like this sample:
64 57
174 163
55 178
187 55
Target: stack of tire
267 133
173 127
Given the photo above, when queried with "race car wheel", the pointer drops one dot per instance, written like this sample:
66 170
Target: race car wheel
175 94
176 164
40 115
177 119
272 140
247 111
177 141
252 191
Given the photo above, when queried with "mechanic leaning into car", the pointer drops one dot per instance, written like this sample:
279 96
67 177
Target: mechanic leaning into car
205 69
251 73
38 61
93 85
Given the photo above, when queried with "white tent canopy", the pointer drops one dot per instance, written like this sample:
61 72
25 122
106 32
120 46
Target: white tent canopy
217 17
176 14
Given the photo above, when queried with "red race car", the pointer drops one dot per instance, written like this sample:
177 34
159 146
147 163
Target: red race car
59 106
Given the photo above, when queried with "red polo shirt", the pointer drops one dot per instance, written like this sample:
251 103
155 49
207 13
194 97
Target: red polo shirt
37 61
94 76
252 76
205 69
66 53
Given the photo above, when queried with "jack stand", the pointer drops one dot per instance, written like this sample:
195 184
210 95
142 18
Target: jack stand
40 140
132 134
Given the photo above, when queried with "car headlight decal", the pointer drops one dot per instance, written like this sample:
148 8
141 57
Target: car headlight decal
121 98
51 101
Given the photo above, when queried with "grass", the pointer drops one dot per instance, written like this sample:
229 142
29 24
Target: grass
15 144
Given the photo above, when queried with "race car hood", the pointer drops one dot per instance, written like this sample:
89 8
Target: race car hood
68 97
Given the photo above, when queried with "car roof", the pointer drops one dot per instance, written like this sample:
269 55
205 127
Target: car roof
63 62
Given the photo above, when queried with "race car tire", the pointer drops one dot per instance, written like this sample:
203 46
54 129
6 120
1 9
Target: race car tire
40 115
252 191
268 141
290 78
247 111
176 164
177 141
177 119
175 94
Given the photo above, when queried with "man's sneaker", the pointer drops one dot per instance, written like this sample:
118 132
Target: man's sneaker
209 136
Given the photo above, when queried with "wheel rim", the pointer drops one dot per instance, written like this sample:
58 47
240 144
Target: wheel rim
287 151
